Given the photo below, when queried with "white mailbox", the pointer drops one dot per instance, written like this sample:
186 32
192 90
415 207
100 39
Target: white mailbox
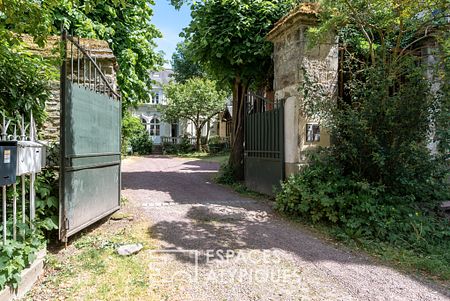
30 157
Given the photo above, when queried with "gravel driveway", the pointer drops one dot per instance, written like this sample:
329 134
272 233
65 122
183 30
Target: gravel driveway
213 244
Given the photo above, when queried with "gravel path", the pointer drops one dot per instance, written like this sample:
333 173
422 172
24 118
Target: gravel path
217 245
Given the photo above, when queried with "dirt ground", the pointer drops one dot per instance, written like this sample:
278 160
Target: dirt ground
218 245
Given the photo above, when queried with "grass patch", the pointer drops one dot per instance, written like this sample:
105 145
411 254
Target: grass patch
94 271
244 191
221 158
226 178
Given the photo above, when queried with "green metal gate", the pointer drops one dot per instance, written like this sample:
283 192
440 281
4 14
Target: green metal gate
90 142
264 144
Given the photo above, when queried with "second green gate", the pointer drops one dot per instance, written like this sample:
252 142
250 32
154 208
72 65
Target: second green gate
264 144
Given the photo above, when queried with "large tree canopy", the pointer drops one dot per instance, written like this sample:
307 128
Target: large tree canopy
184 67
126 25
228 37
197 100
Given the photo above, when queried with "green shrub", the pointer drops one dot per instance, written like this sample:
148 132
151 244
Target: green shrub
24 83
170 148
142 143
362 211
217 145
131 127
225 175
184 147
24 87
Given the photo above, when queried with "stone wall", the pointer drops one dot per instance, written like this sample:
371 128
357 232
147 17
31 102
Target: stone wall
293 58
99 50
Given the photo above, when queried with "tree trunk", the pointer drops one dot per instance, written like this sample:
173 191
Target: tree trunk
198 145
236 161
208 129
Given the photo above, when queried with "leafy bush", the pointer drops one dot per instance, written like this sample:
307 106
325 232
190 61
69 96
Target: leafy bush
19 254
184 147
225 175
24 83
24 87
16 256
363 211
131 127
217 144
142 143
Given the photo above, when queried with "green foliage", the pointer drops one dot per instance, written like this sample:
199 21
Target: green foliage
142 143
131 127
24 83
379 184
225 175
47 200
364 212
382 128
30 17
17 255
184 67
24 87
126 25
197 100
184 147
217 144
384 119
443 111
229 37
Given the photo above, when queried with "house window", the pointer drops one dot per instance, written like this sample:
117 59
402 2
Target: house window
145 123
155 127
312 132
156 98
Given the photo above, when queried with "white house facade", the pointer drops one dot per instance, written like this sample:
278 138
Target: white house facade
149 113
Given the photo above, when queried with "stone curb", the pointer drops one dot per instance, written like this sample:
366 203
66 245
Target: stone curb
29 276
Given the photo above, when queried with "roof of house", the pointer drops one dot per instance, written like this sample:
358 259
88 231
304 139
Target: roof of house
308 10
162 77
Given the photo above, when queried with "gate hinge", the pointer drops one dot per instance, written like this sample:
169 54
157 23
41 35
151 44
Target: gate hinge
66 224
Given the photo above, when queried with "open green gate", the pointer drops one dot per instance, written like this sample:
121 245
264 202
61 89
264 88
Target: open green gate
90 177
264 144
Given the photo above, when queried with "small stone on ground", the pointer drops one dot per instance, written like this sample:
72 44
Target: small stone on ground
128 250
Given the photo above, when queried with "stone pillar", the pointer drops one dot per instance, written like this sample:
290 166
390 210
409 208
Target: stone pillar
291 134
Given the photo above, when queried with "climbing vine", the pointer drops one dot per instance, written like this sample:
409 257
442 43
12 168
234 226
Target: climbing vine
381 181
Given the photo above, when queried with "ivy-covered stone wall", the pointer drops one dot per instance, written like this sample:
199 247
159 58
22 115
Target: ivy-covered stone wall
297 64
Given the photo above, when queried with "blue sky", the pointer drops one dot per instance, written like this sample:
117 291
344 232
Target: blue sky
170 22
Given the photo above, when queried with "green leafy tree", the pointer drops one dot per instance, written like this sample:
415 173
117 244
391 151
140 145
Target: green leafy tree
24 84
387 116
184 67
126 25
25 16
379 183
197 100
228 38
